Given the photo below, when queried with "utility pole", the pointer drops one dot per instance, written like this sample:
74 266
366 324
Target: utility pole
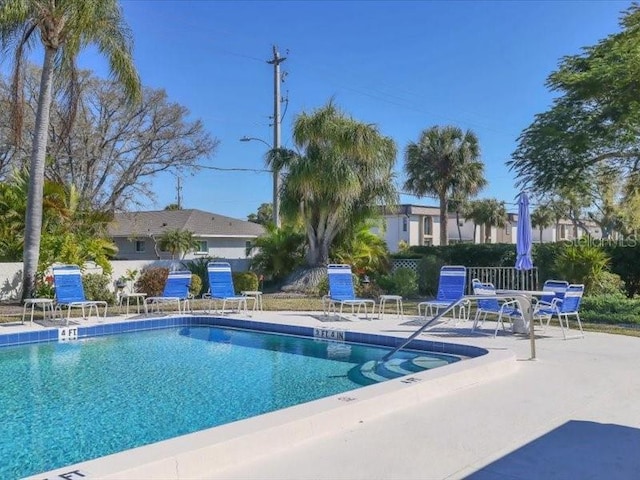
179 193
277 79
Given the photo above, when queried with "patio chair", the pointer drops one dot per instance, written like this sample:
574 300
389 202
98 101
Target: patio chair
176 289
491 306
451 287
341 291
221 287
69 291
556 289
567 307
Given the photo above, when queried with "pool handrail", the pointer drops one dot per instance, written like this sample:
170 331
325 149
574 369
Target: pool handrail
516 296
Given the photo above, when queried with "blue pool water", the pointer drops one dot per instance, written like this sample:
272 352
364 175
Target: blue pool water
62 403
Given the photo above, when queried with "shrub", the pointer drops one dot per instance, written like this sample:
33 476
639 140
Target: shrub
245 281
196 285
406 282
366 290
96 287
625 261
429 274
44 286
198 267
582 263
610 309
323 286
152 281
608 283
403 281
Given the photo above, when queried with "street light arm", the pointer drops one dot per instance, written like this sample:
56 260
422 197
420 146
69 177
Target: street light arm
248 139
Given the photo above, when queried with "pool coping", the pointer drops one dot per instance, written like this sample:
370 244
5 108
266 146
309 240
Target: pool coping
208 451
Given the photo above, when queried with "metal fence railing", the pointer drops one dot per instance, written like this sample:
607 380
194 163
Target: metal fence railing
504 278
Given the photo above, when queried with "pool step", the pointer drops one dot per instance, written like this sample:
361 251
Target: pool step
375 371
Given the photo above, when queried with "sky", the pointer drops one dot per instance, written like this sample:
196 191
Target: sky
404 66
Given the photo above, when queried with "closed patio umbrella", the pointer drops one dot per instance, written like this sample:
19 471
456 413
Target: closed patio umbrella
524 261
524 238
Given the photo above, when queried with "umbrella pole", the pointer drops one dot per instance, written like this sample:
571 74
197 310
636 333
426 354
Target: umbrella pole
532 335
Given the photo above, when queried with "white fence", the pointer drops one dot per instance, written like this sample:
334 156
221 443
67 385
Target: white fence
11 273
502 277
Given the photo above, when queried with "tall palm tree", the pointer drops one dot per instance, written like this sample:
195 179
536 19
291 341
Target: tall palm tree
343 174
541 218
470 182
438 164
64 28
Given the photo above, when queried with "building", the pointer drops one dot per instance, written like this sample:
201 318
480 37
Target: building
136 234
415 225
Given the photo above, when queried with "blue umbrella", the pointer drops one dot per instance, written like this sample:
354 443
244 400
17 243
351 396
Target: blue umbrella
524 235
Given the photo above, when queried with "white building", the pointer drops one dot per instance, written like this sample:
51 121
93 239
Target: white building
420 225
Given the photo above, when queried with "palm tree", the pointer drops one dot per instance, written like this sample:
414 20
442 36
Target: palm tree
279 251
468 185
64 28
439 164
177 242
542 217
365 251
343 174
488 212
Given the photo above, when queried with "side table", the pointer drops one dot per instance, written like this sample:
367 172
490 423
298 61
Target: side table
45 303
139 297
256 296
392 298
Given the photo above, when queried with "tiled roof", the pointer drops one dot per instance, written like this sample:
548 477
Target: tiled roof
200 223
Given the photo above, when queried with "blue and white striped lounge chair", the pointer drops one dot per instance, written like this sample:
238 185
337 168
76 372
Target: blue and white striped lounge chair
221 287
341 291
69 291
451 287
176 289
567 307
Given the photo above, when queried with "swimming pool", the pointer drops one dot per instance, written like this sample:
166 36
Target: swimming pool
67 402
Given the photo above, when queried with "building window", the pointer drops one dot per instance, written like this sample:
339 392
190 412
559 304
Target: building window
428 242
563 232
203 247
428 226
140 246
405 224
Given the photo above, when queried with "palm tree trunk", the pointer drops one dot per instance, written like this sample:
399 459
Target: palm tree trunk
444 238
458 225
540 235
33 220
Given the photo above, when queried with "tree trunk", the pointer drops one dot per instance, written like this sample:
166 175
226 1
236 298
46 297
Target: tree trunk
444 238
33 220
458 225
540 234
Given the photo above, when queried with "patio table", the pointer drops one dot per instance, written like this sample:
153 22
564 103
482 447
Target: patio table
525 300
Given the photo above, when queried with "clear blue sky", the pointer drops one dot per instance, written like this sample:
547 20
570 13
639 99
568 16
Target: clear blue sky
404 66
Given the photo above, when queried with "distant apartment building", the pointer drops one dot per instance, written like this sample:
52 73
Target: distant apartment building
420 225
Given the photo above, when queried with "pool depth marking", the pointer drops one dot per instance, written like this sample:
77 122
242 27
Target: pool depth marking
334 334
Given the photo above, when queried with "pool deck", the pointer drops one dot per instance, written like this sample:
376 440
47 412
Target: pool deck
574 412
